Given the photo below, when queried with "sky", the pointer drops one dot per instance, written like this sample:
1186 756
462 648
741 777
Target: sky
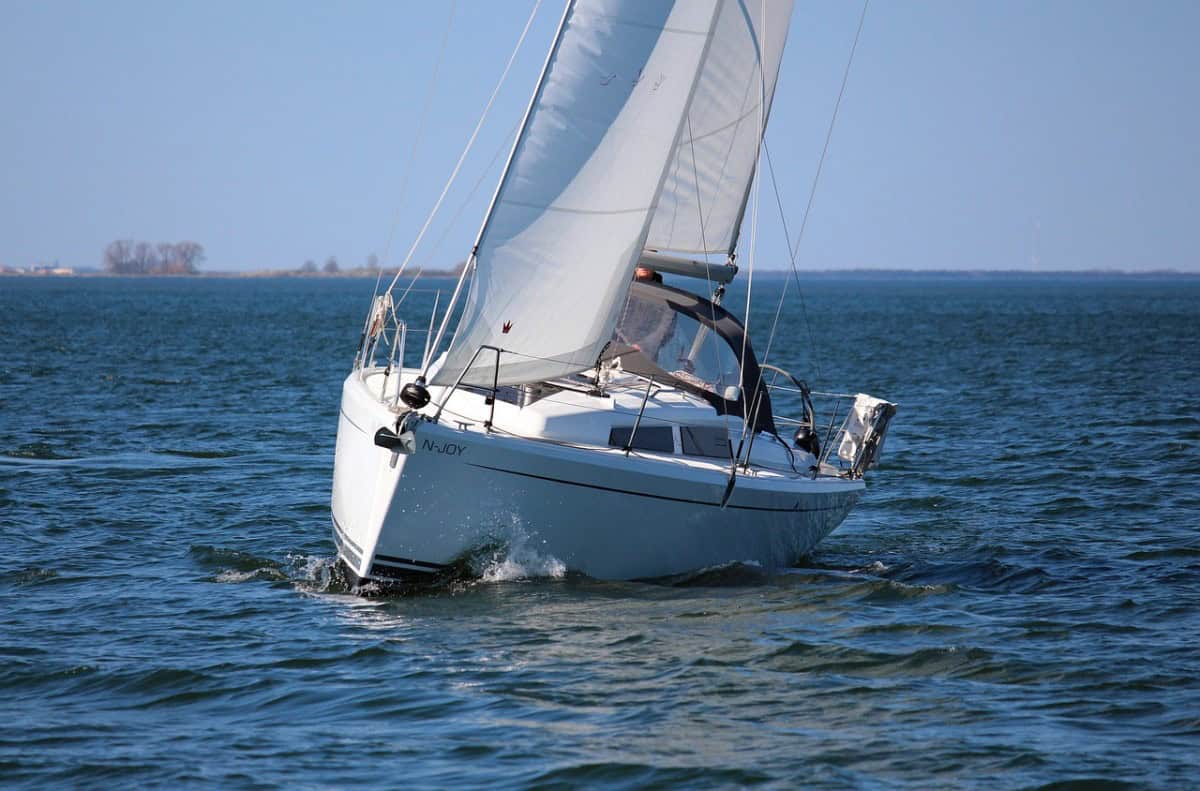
1050 135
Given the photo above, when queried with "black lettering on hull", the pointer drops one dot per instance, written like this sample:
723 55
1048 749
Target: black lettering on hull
444 448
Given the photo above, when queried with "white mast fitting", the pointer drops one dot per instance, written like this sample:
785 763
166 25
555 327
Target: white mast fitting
570 218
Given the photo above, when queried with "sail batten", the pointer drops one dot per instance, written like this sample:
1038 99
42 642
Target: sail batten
571 215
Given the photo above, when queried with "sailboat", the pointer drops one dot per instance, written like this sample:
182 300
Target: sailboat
619 424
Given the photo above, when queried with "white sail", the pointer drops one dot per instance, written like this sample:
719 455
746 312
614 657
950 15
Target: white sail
570 217
705 192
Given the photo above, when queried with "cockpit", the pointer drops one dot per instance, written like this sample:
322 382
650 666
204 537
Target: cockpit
681 339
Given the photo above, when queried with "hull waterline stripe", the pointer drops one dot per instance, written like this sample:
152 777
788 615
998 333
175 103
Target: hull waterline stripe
344 537
345 552
384 565
420 564
659 496
379 570
385 576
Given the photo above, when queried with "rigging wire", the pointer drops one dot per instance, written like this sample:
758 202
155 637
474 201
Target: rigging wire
470 143
749 287
504 145
783 295
412 155
704 245
794 251
756 186
837 105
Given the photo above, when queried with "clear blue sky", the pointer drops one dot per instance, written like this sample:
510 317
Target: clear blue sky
974 135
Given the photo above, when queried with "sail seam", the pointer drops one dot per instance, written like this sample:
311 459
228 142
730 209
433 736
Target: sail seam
735 122
618 22
569 210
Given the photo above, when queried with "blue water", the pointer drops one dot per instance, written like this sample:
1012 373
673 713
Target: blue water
1015 603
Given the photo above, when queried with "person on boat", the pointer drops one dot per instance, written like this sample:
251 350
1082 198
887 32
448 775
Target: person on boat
644 325
644 274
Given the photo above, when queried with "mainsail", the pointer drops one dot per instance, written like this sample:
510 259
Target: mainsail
643 132
704 195
570 217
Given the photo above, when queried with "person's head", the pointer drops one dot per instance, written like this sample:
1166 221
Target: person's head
645 274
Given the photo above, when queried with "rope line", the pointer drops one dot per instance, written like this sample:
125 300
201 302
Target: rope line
756 186
704 244
829 132
812 192
504 144
412 155
470 142
812 344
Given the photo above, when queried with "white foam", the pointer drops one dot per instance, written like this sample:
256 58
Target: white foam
313 571
233 575
516 560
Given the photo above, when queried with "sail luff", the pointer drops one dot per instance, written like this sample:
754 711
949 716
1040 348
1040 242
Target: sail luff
766 99
537 92
469 265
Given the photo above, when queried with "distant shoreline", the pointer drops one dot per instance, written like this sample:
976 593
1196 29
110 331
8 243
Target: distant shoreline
830 274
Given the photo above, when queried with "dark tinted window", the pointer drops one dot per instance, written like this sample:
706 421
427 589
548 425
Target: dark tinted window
656 438
705 441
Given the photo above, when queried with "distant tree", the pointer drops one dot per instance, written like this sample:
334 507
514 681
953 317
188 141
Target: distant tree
166 258
187 256
145 259
309 267
127 257
118 257
331 265
373 262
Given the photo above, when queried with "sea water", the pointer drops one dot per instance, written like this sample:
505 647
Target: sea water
1015 602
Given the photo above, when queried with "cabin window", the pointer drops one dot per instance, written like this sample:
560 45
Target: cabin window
711 441
655 438
680 345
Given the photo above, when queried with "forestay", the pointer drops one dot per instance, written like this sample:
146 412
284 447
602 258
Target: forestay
570 217
709 178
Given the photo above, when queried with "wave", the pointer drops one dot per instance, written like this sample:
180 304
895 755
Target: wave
32 575
733 574
36 451
514 559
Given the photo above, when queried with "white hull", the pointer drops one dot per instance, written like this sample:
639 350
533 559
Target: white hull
597 510
583 407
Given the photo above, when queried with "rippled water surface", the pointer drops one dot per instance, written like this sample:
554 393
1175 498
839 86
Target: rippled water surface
1015 603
